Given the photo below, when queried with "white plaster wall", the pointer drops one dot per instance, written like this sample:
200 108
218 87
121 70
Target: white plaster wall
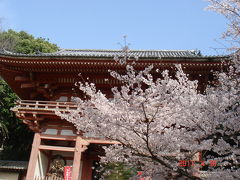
42 164
8 176
37 169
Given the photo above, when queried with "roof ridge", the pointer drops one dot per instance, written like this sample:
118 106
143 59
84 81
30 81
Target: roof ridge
100 50
139 50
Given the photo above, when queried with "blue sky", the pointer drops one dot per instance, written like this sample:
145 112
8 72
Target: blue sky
100 24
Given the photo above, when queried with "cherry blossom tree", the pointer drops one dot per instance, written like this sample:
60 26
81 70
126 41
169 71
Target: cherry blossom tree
154 120
159 122
223 111
224 99
231 10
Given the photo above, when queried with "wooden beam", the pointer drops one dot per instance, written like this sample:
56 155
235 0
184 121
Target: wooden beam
64 138
34 157
100 141
56 148
28 85
21 78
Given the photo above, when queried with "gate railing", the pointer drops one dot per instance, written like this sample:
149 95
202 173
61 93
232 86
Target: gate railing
48 178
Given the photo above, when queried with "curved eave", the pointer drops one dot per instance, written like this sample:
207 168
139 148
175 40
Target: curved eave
99 57
39 59
64 69
71 65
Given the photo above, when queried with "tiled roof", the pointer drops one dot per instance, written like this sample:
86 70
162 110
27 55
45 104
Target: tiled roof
13 165
113 53
131 53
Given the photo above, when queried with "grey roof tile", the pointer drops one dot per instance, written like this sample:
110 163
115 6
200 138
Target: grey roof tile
13 165
142 54
138 53
112 53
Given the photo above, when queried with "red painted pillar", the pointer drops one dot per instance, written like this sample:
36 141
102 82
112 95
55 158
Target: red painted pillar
34 157
80 146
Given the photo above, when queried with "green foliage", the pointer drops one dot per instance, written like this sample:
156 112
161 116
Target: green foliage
22 42
120 172
7 99
112 171
18 138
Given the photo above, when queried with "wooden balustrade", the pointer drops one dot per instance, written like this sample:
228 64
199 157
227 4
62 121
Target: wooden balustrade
48 178
44 106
